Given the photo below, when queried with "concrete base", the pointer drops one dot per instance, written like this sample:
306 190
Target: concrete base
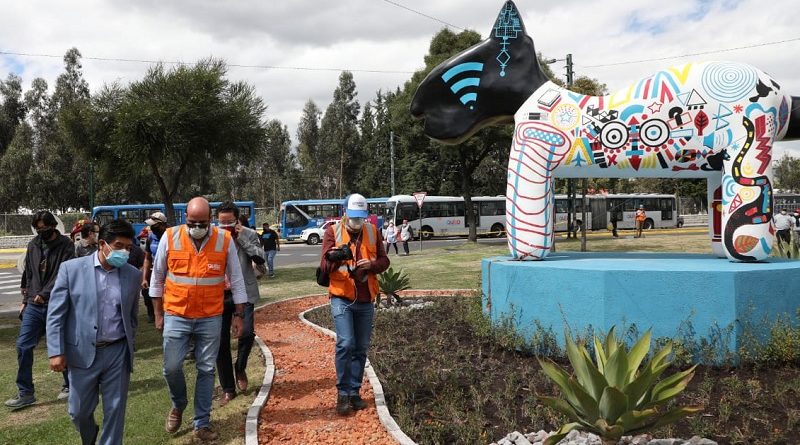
674 294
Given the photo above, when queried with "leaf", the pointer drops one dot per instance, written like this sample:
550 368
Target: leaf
636 390
633 420
613 404
675 414
588 376
701 122
599 354
561 433
560 406
616 370
611 343
637 354
674 379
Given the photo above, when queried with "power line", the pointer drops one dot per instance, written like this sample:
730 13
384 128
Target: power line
234 65
423 14
631 62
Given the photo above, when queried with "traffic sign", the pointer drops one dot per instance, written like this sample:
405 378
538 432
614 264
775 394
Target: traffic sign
420 196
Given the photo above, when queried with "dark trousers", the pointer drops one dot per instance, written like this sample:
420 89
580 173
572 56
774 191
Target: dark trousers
148 303
225 367
405 246
614 228
34 319
784 235
395 248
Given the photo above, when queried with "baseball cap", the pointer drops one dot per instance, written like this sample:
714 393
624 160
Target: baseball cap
641 206
156 218
355 206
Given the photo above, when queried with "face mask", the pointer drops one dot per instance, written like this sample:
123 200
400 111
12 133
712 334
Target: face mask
198 232
46 234
158 230
117 258
355 223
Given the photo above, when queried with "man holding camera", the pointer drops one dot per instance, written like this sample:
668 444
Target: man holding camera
352 256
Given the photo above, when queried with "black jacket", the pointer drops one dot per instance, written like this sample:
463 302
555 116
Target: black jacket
54 253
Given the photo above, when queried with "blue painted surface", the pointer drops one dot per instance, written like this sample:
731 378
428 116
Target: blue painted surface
661 291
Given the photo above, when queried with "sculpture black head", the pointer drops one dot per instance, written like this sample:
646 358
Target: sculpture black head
482 86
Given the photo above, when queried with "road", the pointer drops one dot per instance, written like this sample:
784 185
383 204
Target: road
10 298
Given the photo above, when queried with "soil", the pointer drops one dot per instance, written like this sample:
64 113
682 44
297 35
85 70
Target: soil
449 379
302 401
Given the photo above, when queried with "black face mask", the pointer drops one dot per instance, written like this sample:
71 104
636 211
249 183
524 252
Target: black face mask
158 230
46 234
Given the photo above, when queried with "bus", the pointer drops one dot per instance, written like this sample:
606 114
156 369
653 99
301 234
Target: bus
788 201
296 216
136 214
446 215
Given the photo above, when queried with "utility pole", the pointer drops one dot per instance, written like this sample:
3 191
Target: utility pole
91 186
391 158
570 182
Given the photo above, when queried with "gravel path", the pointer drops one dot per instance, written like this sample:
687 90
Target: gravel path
301 405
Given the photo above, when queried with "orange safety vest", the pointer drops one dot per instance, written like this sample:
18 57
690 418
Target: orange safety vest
640 215
195 281
341 284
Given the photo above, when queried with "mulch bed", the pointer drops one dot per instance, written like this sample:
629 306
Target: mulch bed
302 403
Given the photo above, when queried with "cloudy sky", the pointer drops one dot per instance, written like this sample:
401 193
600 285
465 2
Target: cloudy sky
382 41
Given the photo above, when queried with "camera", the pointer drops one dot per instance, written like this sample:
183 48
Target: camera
341 253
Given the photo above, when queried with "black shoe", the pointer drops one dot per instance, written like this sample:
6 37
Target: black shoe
343 405
357 403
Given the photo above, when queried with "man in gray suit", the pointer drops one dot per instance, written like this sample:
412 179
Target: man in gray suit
91 326
248 248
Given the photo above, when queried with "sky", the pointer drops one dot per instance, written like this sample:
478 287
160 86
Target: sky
383 41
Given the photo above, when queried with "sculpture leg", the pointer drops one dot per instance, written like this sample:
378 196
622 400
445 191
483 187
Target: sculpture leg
715 215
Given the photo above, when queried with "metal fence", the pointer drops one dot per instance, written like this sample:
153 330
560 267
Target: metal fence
690 205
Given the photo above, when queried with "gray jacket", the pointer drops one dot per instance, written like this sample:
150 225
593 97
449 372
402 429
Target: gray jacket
248 245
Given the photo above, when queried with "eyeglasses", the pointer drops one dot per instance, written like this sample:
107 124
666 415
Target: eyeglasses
197 225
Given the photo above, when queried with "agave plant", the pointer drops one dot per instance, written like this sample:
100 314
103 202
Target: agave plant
390 283
611 396
790 249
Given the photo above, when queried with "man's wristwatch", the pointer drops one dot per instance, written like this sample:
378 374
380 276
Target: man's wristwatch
238 314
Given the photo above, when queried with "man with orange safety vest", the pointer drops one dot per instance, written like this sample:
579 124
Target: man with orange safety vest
187 287
352 257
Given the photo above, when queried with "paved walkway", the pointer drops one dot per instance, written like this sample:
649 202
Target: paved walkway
301 405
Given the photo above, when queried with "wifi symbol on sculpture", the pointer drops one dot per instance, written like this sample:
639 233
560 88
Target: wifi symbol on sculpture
468 97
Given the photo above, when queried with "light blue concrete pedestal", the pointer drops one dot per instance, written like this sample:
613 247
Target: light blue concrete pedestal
594 291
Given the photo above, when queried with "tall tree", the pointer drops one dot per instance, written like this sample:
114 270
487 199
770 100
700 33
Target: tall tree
180 119
15 164
309 152
339 135
787 174
12 109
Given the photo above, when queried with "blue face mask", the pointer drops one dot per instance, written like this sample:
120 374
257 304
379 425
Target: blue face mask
117 258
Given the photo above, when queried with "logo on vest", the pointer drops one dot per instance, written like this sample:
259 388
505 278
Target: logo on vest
215 267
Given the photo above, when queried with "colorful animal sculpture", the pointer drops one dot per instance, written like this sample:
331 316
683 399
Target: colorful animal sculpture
715 120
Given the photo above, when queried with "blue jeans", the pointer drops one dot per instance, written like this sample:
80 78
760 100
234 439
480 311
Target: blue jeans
34 320
271 260
177 332
353 323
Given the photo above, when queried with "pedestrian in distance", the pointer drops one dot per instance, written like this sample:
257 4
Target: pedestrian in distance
271 243
87 245
187 286
46 252
783 225
249 251
391 237
352 257
641 215
406 234
91 327
157 223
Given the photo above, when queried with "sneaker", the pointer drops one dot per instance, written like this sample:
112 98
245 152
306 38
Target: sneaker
205 434
21 401
272 275
357 403
343 405
64 394
174 419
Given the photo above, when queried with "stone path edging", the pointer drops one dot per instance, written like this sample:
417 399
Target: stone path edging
254 412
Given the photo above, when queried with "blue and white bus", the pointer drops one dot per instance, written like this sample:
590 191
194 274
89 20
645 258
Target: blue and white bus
136 214
295 216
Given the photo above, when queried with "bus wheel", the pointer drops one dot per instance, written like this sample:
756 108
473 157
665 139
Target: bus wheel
313 239
498 230
648 224
426 233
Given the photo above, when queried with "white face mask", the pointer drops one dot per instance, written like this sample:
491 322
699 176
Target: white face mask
355 223
198 232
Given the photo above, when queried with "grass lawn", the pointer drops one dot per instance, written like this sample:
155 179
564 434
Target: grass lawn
47 422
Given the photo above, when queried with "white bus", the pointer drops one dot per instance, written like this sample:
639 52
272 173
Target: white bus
446 215
661 211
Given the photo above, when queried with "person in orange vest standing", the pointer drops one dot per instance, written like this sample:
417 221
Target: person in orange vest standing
640 217
352 256
187 286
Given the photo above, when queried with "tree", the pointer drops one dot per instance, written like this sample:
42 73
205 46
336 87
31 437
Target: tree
787 174
308 149
15 164
339 135
177 121
12 110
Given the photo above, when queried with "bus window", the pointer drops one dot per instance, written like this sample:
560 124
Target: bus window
104 216
666 208
133 216
561 206
294 218
492 208
630 205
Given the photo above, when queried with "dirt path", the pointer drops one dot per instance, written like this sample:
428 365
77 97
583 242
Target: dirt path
302 401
